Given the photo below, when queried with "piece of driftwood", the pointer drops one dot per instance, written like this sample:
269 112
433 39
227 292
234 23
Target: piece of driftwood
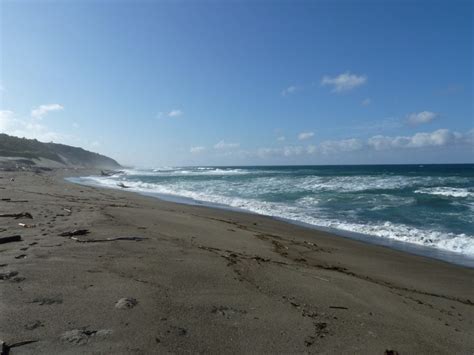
17 215
5 348
13 238
137 239
75 232
10 200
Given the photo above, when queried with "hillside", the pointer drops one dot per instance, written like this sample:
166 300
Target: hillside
32 150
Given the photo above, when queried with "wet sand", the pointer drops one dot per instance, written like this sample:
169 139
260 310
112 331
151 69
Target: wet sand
187 279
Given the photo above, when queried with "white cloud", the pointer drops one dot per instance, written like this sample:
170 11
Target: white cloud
40 111
439 138
197 150
28 128
344 82
281 139
224 145
289 90
305 135
417 118
366 102
175 113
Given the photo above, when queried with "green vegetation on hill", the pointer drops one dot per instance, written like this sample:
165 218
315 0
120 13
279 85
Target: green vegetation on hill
61 153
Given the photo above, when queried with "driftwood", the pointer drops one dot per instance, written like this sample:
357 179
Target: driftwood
75 232
17 215
5 348
137 239
13 238
10 200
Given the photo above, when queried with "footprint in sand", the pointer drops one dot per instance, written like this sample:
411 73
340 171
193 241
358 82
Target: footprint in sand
34 325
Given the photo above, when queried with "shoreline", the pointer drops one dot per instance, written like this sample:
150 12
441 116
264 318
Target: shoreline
200 275
410 248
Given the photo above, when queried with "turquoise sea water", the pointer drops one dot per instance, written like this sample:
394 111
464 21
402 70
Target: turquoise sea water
430 207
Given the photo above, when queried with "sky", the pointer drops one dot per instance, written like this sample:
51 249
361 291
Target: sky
169 83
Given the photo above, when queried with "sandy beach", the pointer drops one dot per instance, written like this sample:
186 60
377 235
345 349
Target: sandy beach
149 276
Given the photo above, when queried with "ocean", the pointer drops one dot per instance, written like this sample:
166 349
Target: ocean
426 209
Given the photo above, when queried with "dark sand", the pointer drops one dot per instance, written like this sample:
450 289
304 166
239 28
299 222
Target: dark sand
210 281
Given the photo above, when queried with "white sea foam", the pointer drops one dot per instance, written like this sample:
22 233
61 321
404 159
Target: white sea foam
371 182
446 191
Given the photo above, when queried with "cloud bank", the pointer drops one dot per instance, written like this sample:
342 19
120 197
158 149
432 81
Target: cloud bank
423 140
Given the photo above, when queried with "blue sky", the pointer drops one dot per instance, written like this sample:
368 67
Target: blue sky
154 83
